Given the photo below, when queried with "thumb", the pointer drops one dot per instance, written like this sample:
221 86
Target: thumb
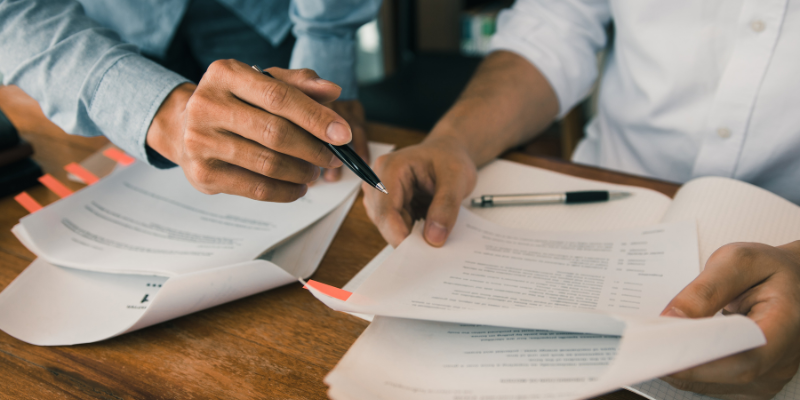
444 208
308 82
729 272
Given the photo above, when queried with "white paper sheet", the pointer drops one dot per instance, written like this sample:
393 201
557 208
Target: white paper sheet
425 360
141 220
725 210
50 305
487 274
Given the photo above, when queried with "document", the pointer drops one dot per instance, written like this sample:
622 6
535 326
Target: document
141 220
52 305
412 359
488 274
426 359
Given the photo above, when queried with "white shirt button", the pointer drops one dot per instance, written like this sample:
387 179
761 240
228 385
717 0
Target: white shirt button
757 25
724 133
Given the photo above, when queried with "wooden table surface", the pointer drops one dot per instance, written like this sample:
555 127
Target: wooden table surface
274 345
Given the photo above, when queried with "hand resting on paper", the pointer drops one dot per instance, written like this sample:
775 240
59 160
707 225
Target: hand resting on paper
428 181
506 103
763 283
243 133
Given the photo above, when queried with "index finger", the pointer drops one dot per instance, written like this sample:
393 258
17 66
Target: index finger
280 98
387 212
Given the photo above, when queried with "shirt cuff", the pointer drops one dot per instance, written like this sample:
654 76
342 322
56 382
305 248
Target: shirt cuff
126 101
331 58
566 61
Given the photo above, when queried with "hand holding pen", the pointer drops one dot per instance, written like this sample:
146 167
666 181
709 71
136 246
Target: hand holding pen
242 133
348 156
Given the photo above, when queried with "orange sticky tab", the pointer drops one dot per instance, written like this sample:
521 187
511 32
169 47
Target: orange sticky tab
118 156
329 290
86 176
25 200
55 186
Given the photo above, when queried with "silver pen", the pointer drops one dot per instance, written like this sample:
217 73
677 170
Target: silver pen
547 198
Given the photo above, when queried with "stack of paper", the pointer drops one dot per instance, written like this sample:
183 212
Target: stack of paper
142 246
487 316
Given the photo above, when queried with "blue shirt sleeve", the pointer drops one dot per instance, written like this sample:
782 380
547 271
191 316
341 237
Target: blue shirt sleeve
325 31
85 79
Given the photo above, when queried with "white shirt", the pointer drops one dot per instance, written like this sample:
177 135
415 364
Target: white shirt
691 88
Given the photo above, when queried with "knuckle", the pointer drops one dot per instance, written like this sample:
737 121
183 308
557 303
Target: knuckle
313 117
740 252
276 133
266 162
275 95
202 179
306 74
261 191
218 67
700 294
193 142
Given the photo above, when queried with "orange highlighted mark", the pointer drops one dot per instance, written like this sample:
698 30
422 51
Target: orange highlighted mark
26 201
329 290
55 186
118 156
86 176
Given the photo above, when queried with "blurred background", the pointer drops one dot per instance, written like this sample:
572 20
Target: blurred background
418 55
414 60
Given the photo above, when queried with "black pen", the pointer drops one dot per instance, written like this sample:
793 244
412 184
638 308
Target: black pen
547 198
348 156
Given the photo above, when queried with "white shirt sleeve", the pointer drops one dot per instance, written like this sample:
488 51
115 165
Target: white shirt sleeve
561 38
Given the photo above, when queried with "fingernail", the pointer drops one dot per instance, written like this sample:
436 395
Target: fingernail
435 234
674 312
338 133
332 175
321 81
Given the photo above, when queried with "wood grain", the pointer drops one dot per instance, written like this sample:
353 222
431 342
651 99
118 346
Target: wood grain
274 345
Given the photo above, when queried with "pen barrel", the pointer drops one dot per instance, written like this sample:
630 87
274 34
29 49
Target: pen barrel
352 160
523 199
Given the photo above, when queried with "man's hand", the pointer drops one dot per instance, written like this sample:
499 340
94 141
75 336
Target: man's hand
428 181
763 283
353 112
243 133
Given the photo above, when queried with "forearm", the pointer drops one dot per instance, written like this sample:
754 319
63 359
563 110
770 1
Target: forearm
506 103
86 80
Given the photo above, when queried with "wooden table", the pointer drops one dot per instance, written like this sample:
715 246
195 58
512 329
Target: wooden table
275 345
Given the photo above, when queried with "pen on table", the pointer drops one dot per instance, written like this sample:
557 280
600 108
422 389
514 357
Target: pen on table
547 198
348 156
